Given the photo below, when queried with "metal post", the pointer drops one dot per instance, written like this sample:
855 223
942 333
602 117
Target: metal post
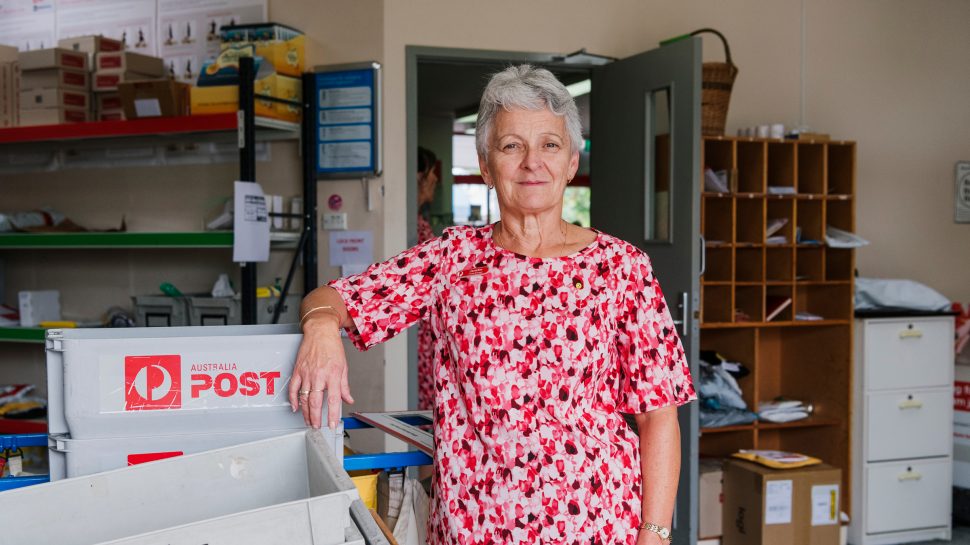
247 173
309 184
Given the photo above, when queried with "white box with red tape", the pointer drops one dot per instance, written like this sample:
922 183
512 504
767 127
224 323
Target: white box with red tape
173 382
961 426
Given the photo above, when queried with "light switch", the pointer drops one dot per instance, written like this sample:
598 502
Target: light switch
334 221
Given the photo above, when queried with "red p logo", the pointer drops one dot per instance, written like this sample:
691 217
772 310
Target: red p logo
153 382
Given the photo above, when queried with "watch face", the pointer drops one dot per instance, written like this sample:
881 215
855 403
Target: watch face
664 533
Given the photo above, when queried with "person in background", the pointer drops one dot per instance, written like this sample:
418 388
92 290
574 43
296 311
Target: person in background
427 183
545 335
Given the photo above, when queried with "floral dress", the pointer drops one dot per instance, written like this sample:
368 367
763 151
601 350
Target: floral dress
425 339
534 362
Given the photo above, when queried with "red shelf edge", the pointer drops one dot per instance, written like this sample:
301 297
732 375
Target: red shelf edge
128 127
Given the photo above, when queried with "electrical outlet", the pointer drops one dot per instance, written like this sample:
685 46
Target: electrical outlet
334 221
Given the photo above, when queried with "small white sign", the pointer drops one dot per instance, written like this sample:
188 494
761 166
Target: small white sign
351 247
778 500
825 505
250 224
962 214
147 107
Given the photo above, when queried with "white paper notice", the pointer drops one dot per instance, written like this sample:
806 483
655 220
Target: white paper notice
188 30
250 224
131 21
27 24
825 505
351 248
147 107
778 502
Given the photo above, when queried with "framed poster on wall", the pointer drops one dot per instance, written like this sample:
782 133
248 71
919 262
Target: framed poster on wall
347 120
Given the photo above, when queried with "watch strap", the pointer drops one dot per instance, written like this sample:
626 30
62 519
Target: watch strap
661 531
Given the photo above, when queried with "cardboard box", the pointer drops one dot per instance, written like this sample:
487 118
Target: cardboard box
109 82
764 506
154 98
53 116
52 97
41 59
9 53
107 101
225 98
710 499
108 114
119 62
39 306
281 45
90 45
54 77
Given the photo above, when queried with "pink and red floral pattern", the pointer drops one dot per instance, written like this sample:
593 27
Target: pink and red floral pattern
534 362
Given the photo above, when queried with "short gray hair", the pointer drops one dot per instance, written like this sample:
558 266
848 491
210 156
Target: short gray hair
530 88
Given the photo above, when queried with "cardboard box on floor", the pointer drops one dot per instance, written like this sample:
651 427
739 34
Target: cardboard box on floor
764 506
710 500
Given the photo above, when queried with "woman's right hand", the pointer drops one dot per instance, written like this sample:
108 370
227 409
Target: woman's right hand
320 369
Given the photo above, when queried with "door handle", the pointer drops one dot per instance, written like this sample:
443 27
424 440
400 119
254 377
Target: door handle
911 334
910 475
910 404
684 321
703 255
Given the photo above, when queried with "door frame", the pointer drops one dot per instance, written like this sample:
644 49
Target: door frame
414 55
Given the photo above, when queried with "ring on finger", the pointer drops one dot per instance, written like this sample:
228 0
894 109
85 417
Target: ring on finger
304 392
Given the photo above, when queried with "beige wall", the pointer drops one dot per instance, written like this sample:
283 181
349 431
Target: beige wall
888 74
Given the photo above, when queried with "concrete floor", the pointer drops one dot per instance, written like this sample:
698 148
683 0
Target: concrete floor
961 536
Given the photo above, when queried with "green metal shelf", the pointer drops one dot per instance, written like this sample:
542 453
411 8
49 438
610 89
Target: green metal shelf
213 239
22 334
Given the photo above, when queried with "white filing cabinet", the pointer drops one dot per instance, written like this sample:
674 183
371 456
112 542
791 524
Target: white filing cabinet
902 430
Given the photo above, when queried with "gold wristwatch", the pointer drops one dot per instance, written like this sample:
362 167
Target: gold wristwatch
661 531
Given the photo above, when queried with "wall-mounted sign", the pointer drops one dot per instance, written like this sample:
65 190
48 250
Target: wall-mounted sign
962 214
347 114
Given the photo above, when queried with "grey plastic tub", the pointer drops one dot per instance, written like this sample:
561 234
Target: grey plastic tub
290 489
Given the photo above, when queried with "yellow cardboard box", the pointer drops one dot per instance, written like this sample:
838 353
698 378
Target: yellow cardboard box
287 56
225 98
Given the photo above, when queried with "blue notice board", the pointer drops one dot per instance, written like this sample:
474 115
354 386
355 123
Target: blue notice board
347 115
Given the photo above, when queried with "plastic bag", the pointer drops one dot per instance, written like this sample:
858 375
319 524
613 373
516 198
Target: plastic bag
876 293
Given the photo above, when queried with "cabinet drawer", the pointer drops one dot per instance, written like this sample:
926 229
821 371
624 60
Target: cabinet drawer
905 495
909 424
908 353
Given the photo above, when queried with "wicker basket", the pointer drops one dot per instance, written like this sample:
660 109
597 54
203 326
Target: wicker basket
717 81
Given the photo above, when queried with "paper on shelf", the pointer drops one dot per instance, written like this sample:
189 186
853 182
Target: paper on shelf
250 224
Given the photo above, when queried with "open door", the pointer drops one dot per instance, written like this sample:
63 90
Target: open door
645 135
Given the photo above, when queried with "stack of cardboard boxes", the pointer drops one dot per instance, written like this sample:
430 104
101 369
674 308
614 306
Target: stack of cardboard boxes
9 87
278 53
104 105
54 87
117 67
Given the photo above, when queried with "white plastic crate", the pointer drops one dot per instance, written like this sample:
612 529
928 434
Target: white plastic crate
78 457
278 490
122 382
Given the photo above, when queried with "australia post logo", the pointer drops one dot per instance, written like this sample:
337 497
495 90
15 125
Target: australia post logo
153 382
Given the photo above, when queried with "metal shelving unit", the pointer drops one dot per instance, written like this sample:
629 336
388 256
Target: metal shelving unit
242 127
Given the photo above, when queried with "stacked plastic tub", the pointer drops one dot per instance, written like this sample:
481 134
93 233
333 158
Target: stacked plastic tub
288 490
208 406
119 397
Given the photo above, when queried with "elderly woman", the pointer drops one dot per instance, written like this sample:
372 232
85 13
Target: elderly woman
545 334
